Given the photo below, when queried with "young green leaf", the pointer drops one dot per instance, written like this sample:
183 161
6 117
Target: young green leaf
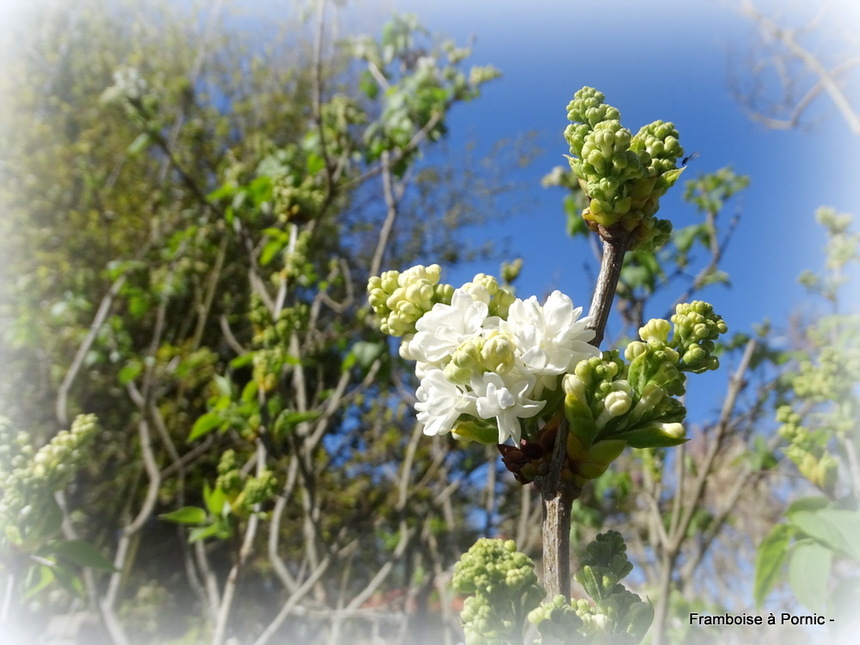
38 578
771 555
837 528
186 515
204 425
83 553
808 573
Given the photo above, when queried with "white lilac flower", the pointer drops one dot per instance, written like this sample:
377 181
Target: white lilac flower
440 402
506 400
442 329
553 338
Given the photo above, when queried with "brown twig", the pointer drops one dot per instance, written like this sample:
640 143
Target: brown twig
614 248
558 495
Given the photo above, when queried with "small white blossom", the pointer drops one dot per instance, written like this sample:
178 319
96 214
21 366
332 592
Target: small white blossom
127 84
442 329
552 338
440 402
506 400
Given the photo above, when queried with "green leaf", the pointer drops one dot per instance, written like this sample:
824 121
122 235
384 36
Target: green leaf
69 580
685 237
222 192
224 385
314 163
806 504
289 419
202 533
130 372
244 360
368 86
589 582
186 515
260 189
363 353
808 572
204 425
770 557
33 586
83 553
270 250
714 277
138 144
249 392
48 523
837 528
215 500
218 529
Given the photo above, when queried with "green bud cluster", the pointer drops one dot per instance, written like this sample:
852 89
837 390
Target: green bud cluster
257 490
295 192
401 298
271 339
244 492
623 175
500 298
504 591
808 449
15 449
267 366
503 587
229 473
831 378
557 621
493 353
29 477
612 402
825 407
296 265
843 244
297 196
269 332
697 327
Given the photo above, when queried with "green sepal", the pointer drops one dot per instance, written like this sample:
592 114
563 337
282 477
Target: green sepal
580 419
599 457
472 430
652 437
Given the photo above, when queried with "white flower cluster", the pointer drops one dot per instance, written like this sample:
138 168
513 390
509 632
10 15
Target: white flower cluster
472 363
128 84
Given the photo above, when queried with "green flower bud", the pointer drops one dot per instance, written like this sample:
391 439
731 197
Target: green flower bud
634 350
573 386
497 352
589 108
465 362
655 329
615 404
657 435
486 288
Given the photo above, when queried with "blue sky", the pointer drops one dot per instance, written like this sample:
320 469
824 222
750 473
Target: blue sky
667 60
